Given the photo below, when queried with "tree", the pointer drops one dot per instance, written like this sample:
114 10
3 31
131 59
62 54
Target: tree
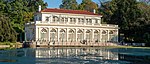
88 5
69 4
19 12
107 9
7 32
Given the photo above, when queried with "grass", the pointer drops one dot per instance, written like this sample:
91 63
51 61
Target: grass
7 43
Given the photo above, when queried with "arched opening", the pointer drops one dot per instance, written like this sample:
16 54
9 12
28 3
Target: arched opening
112 36
53 35
96 36
71 35
62 35
104 36
44 34
79 35
88 35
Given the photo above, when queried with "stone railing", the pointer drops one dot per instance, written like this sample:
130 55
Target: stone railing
55 23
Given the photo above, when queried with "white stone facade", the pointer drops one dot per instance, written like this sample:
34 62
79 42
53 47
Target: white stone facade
69 27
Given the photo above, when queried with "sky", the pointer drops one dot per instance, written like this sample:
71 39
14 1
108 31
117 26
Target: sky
56 3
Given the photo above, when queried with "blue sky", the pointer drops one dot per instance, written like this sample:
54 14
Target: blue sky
56 3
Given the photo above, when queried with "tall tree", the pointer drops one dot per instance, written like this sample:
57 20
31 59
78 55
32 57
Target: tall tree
88 5
69 4
126 16
20 12
7 33
107 10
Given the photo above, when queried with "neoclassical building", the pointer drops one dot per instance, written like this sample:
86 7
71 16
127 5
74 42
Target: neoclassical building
60 25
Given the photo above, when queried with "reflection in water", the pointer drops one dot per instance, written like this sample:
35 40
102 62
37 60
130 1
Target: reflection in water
60 55
75 55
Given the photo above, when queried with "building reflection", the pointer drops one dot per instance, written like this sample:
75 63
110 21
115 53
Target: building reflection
82 53
62 55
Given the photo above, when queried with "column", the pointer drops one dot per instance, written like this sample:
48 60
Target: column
76 35
84 34
39 34
117 36
93 36
66 34
49 33
100 34
58 34
107 35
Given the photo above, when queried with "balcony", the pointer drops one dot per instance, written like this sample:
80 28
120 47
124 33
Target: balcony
70 23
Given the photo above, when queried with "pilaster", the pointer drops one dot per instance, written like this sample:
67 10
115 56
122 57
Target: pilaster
92 36
49 30
84 34
67 34
108 35
100 34
76 35
58 34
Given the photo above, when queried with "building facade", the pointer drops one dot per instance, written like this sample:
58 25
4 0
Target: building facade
60 25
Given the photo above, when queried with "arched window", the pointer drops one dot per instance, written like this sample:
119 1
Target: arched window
53 35
104 32
71 35
112 36
104 36
111 32
88 35
44 34
96 36
62 35
79 35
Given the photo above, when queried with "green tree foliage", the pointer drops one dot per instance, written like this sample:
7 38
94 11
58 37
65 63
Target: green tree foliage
7 33
69 4
88 5
107 10
132 16
19 12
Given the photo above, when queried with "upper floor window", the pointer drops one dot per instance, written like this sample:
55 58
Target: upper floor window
82 20
74 20
62 19
55 19
47 19
66 20
89 21
79 21
71 20
96 22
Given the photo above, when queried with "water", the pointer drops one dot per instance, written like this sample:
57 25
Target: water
78 55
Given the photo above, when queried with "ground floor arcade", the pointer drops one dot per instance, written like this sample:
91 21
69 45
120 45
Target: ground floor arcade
52 34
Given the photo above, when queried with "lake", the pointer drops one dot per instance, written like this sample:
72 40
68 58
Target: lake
76 55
